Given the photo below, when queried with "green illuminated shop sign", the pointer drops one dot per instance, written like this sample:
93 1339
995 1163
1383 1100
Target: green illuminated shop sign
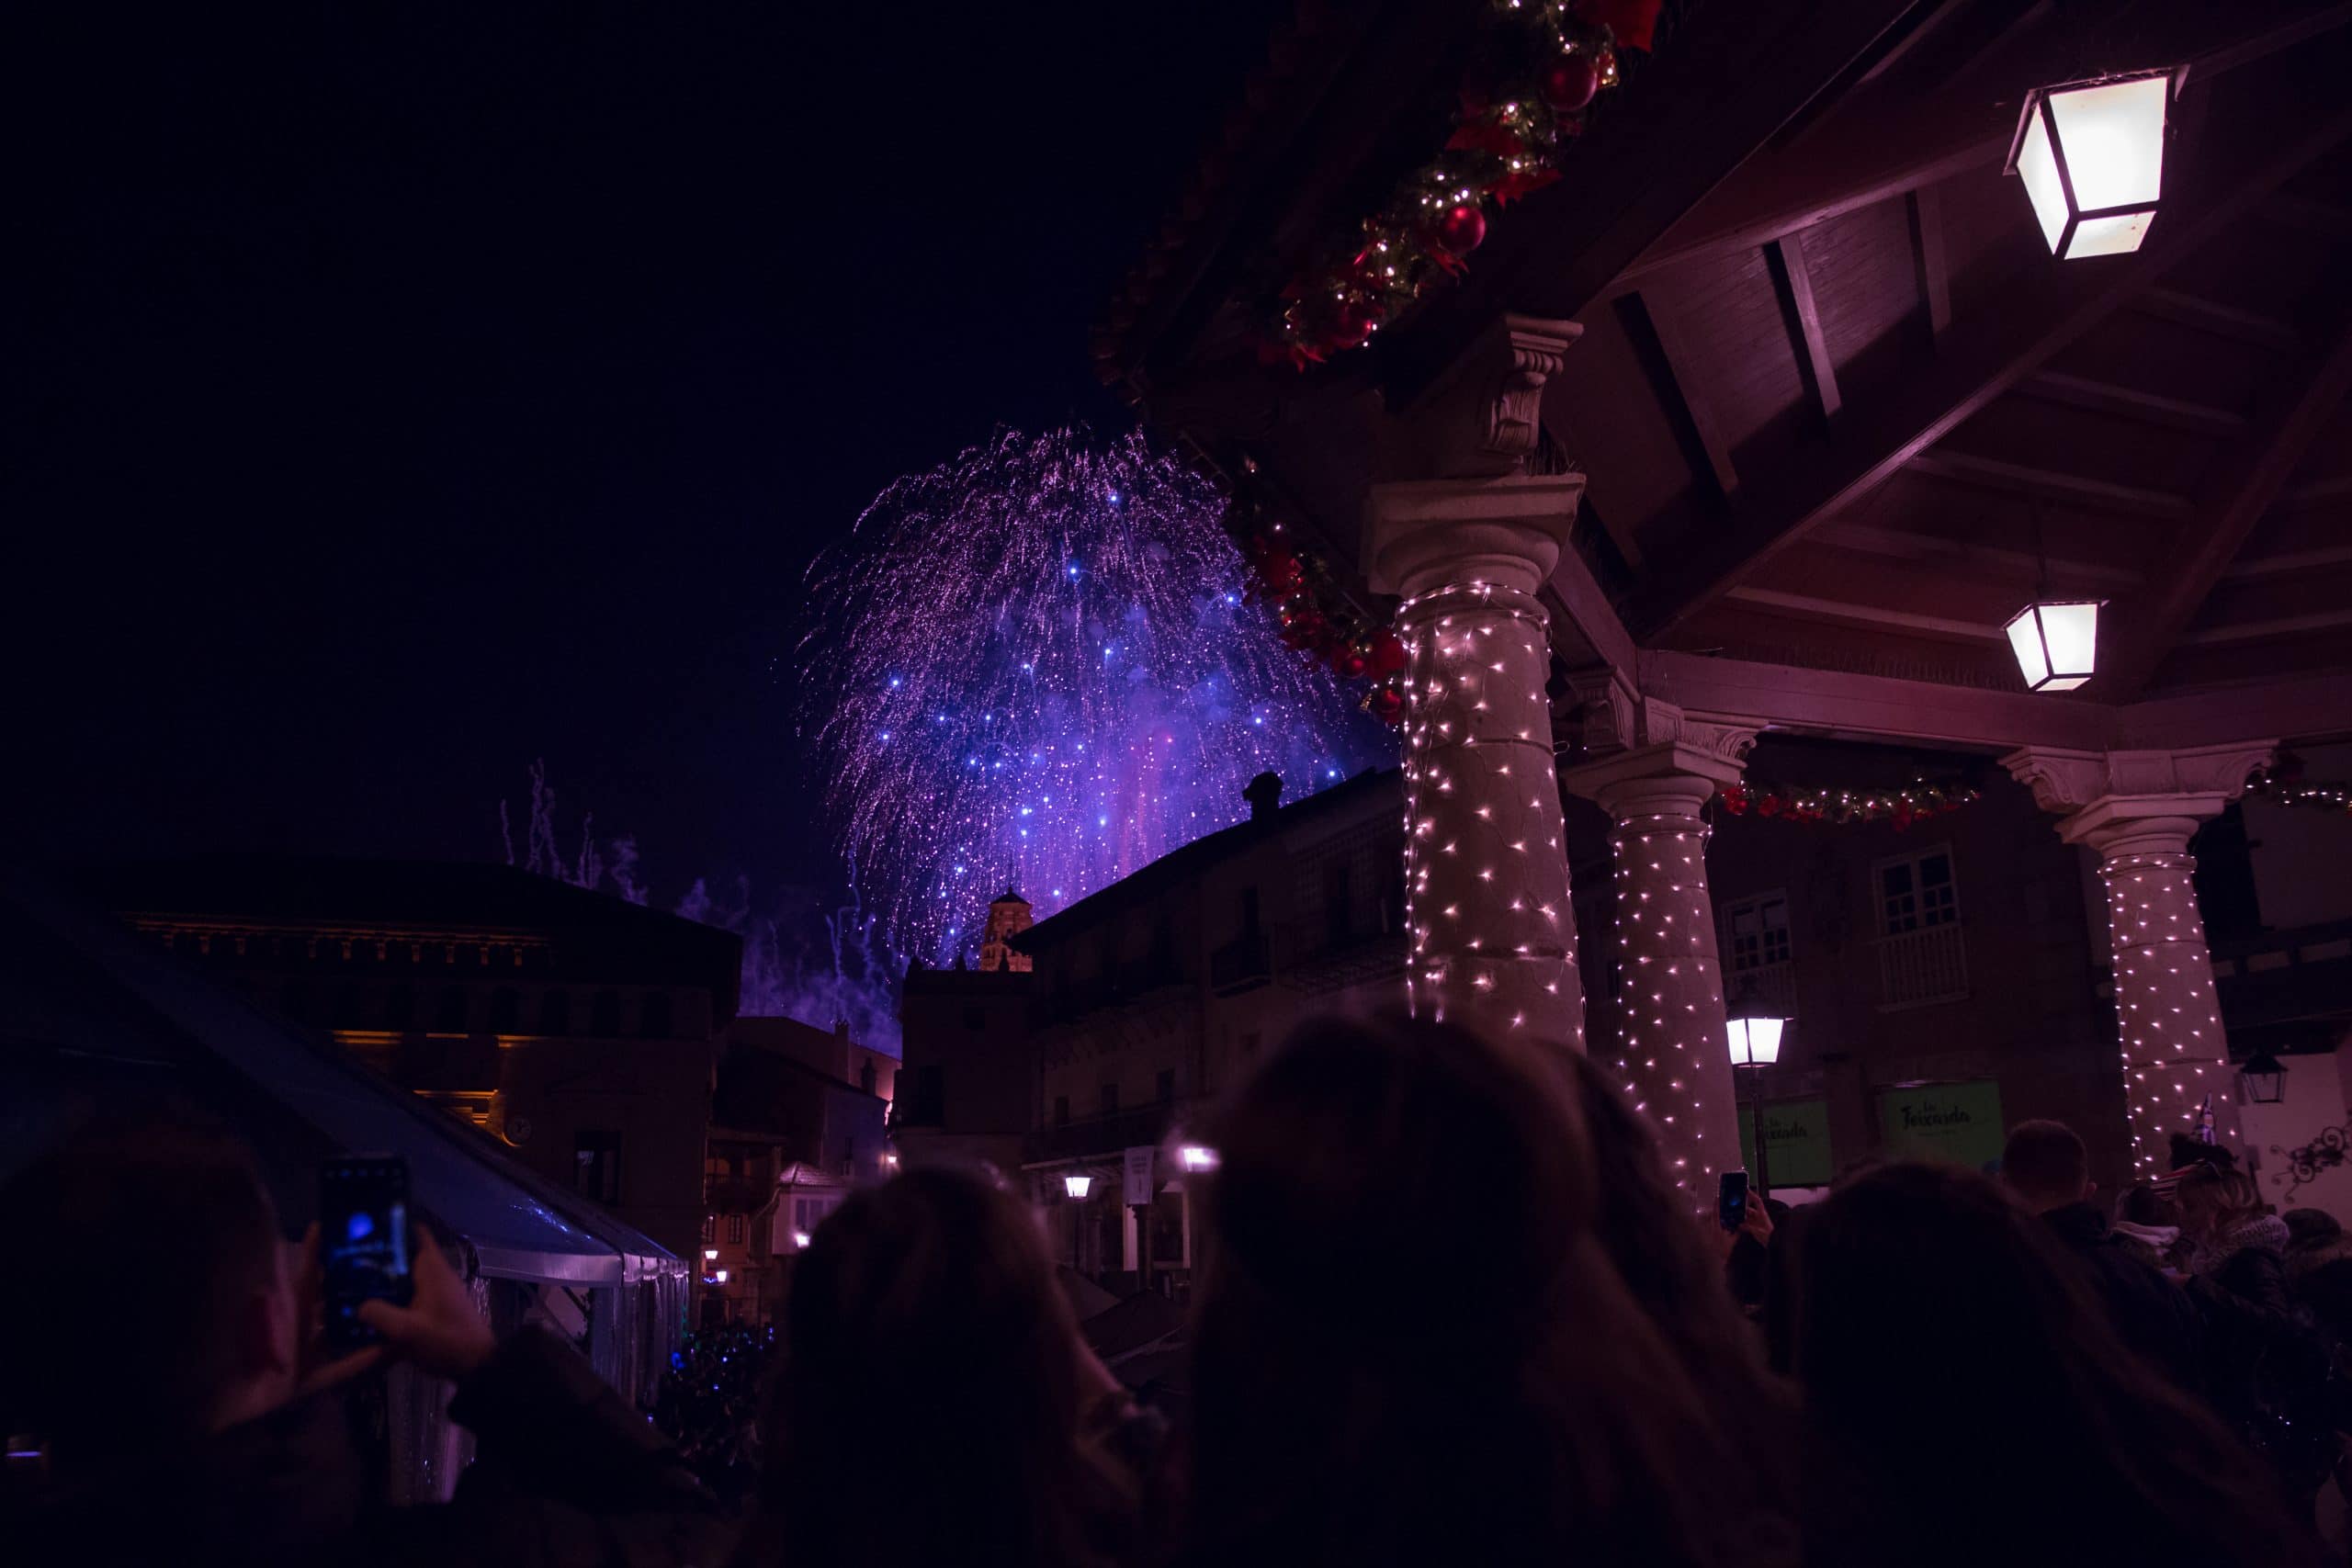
1796 1134
1959 1123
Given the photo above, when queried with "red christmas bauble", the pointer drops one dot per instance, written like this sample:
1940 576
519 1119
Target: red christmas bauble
1357 318
1570 84
1386 704
1767 806
1387 655
1461 229
1348 661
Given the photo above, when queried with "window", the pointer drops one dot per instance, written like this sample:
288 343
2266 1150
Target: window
505 1011
555 1012
807 1213
865 1076
400 1007
709 1228
653 1018
449 1018
1249 911
605 1014
1110 1100
1756 933
1338 902
1061 1111
1167 1086
734 1230
597 1174
1917 892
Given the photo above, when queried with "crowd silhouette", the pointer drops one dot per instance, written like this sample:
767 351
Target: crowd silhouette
1448 1308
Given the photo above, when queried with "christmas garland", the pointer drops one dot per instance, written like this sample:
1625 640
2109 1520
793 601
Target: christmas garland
2287 788
1845 807
1540 64
1317 619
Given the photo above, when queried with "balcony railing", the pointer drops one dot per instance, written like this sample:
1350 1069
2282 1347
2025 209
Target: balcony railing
1242 964
1921 968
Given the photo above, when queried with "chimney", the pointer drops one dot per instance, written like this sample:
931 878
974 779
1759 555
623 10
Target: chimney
1264 795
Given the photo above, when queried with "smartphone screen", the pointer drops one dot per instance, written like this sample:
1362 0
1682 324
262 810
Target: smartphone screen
363 1241
1731 1199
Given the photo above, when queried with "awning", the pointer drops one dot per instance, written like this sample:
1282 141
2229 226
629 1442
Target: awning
86 1005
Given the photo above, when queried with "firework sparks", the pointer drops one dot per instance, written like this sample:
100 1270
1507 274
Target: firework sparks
1039 670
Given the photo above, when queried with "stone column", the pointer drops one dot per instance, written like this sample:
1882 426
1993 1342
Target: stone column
1670 1048
1493 938
2138 809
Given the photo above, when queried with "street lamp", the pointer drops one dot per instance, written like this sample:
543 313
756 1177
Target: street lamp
2092 156
1078 1186
1197 1157
2266 1080
1755 1036
2056 643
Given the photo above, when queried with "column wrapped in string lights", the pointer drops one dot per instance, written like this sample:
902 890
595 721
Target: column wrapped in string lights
1492 933
1670 1046
2177 1074
2138 810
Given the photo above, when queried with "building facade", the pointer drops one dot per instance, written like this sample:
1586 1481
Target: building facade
578 1030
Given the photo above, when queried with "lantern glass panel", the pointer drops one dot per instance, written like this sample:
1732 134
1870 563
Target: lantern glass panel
2113 136
2039 168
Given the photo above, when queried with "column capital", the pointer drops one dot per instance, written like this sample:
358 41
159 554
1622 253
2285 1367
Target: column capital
2137 802
1631 740
1424 534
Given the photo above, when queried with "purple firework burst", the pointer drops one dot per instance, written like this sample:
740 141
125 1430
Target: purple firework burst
1039 668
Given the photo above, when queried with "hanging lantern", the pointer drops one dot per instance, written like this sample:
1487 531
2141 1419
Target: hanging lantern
1078 1187
2056 644
1755 1037
2266 1080
2092 156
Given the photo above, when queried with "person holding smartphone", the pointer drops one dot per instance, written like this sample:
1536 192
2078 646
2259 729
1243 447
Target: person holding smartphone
170 1361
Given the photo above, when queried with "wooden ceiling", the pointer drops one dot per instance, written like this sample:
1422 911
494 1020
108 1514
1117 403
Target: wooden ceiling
1839 413
1835 399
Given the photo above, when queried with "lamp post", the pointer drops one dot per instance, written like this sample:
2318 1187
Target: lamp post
2092 156
1755 1036
1075 1187
2266 1080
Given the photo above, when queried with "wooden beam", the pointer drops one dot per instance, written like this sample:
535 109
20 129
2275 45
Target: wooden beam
2247 568
1985 562
1792 281
2269 630
2318 492
2304 215
1877 707
2198 314
2048 308
1682 392
1926 211
2133 403
2050 484
2250 480
2310 706
1579 604
1814 606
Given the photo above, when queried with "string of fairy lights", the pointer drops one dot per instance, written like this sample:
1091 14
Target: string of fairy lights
1493 934
2166 1013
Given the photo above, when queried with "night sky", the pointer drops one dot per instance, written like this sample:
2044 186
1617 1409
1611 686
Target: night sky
395 395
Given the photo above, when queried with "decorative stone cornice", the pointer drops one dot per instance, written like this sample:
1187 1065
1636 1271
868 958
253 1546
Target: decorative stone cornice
2137 803
1627 736
2064 780
1484 415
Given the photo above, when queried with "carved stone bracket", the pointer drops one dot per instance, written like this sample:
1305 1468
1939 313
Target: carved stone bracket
1483 417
